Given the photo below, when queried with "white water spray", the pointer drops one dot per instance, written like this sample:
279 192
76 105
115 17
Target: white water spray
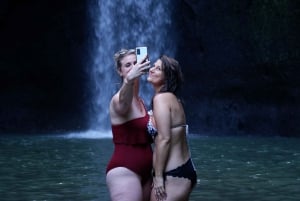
126 24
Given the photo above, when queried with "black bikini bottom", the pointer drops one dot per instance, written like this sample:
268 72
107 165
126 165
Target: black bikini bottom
187 170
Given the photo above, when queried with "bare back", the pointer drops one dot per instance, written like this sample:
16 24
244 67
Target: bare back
179 151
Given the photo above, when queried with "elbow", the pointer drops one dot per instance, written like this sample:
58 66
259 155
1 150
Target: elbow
165 140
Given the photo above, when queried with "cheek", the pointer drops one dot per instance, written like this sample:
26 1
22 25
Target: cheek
160 76
124 71
158 79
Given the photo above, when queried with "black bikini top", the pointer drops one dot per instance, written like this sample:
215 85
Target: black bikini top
150 125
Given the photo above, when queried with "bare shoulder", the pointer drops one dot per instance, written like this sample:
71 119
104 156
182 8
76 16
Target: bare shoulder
165 97
114 99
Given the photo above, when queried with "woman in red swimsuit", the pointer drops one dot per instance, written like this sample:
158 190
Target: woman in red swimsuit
128 173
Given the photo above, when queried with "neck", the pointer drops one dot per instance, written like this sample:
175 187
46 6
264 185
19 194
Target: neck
157 89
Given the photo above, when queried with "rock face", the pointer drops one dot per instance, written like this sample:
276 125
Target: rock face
240 59
241 63
42 59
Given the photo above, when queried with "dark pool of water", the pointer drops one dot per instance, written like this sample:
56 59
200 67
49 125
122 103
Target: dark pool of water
73 168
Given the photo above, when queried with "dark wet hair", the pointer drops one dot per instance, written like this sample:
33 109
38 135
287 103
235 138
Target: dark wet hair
118 56
173 75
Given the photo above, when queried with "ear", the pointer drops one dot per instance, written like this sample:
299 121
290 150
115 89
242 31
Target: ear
119 72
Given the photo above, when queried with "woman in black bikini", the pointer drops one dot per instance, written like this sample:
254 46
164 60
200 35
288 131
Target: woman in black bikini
174 174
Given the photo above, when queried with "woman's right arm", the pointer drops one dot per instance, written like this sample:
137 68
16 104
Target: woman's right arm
122 101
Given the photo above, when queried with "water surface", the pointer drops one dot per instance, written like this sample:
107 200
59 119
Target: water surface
73 168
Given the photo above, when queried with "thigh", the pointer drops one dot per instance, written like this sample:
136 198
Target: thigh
177 188
124 185
147 190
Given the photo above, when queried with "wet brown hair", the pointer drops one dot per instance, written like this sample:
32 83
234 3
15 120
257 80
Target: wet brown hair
173 75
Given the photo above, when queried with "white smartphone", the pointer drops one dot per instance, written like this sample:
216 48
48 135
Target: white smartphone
141 52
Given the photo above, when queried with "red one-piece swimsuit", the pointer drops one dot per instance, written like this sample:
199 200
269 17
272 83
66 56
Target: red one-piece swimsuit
132 147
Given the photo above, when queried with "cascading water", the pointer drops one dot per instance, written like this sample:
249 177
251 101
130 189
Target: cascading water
126 24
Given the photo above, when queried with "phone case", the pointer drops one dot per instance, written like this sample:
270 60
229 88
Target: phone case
141 52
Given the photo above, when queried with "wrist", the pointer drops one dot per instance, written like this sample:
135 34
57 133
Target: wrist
157 175
128 82
158 178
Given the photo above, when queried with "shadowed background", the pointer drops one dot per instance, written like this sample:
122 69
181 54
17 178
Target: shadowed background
240 60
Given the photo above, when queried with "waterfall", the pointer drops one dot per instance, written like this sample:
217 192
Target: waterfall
126 24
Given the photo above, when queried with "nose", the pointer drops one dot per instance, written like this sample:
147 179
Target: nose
152 68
